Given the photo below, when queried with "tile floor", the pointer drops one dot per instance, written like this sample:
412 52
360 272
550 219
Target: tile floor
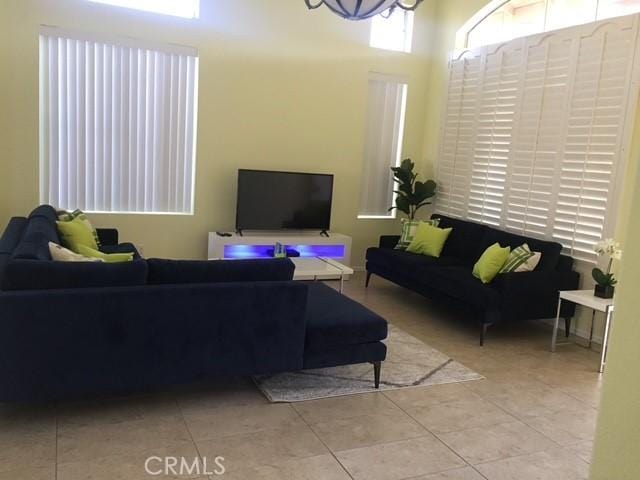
532 418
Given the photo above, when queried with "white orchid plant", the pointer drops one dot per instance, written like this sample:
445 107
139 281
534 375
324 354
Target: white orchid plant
611 249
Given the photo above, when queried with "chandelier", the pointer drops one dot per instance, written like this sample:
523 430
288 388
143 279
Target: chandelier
362 9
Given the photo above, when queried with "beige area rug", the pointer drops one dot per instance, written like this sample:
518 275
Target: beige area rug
410 363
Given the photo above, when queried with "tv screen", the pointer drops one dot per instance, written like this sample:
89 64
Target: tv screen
283 200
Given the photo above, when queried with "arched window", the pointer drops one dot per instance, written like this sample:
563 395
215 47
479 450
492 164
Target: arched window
502 20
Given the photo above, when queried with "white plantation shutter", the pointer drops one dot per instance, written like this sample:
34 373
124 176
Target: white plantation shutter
383 144
117 124
454 167
536 129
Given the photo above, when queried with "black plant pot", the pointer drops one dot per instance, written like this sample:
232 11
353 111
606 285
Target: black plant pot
604 291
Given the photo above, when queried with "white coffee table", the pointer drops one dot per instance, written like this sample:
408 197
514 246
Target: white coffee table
319 268
586 298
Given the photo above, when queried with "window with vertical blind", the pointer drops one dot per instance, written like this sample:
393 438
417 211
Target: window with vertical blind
536 130
117 124
387 100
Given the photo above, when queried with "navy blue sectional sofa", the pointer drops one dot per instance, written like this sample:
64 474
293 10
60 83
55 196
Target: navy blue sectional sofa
509 297
74 329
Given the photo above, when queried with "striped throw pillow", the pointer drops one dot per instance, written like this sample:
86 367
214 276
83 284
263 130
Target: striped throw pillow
409 228
521 259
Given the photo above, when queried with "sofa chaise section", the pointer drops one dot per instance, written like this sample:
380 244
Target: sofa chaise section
68 343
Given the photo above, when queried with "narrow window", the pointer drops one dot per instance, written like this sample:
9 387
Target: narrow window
176 8
383 147
392 32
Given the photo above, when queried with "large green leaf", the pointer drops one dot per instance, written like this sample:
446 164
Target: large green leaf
402 204
423 191
604 279
402 176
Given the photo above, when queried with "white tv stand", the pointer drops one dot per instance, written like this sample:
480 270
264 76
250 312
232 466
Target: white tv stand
254 244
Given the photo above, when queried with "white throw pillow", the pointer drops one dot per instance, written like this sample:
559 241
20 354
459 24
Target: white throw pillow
61 254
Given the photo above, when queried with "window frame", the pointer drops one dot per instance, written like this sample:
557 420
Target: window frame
462 36
130 5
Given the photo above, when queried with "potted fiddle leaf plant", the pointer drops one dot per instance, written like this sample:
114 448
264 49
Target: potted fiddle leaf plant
606 281
412 194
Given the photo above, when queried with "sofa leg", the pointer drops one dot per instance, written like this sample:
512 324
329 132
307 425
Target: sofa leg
483 332
377 366
567 326
366 283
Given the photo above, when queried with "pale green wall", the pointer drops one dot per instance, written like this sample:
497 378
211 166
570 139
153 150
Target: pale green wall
280 88
617 446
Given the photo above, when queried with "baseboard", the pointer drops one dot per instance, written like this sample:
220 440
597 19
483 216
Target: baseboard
582 333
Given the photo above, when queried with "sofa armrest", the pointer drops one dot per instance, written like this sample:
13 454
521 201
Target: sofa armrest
67 343
107 236
389 241
534 295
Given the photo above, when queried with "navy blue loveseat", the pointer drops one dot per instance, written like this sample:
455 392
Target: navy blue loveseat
75 329
509 297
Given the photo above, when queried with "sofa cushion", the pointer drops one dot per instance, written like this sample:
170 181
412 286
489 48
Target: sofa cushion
464 240
5 258
459 283
12 234
34 244
213 271
45 275
550 250
333 319
121 248
406 261
46 211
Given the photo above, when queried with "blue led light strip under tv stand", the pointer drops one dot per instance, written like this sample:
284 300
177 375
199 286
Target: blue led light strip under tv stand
254 244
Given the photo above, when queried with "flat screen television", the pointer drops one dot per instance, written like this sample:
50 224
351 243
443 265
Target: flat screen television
270 200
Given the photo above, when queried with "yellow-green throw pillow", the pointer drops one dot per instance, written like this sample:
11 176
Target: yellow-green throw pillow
69 216
429 240
490 263
107 257
75 233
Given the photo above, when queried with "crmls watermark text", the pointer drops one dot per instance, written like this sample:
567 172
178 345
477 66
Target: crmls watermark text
181 466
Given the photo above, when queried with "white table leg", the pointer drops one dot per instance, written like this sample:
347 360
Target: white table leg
341 282
605 341
593 319
555 327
